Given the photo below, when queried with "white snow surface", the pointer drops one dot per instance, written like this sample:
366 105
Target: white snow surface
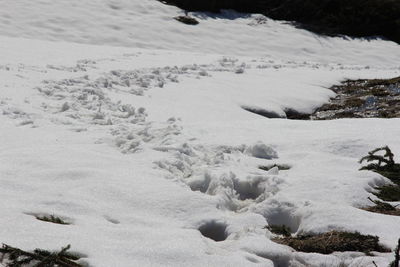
132 128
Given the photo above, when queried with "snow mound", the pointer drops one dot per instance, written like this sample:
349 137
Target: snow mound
262 151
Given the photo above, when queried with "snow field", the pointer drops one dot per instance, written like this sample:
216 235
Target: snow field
149 152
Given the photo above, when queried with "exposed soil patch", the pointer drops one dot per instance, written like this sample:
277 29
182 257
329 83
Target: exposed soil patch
383 208
334 241
280 230
377 98
376 209
187 20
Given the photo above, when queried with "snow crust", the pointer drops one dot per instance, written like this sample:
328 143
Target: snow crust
141 149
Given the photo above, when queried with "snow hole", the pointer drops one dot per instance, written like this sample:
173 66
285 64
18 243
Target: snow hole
214 230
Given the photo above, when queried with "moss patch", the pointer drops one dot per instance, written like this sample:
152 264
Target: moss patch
330 242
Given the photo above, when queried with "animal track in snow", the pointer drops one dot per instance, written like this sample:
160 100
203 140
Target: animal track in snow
280 213
204 170
131 138
81 65
17 114
85 101
214 230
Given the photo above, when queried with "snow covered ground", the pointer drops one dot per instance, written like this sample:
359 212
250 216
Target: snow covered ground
138 136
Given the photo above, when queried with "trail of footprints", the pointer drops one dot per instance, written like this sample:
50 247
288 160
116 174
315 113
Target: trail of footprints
203 169
84 102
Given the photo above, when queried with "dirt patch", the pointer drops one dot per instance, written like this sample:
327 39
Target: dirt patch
376 209
187 20
383 208
333 241
280 230
377 98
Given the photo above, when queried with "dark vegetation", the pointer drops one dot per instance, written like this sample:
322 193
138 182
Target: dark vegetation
14 257
330 242
388 192
385 165
280 230
281 167
358 18
396 262
51 219
383 207
374 98
187 20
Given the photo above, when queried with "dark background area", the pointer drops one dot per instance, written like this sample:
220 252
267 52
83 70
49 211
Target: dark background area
357 18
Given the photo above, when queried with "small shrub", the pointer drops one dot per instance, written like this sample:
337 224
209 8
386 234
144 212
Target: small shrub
396 262
385 166
385 162
332 17
388 192
16 257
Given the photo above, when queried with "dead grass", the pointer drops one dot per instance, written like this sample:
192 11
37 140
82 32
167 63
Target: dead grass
330 242
15 257
375 98
383 208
